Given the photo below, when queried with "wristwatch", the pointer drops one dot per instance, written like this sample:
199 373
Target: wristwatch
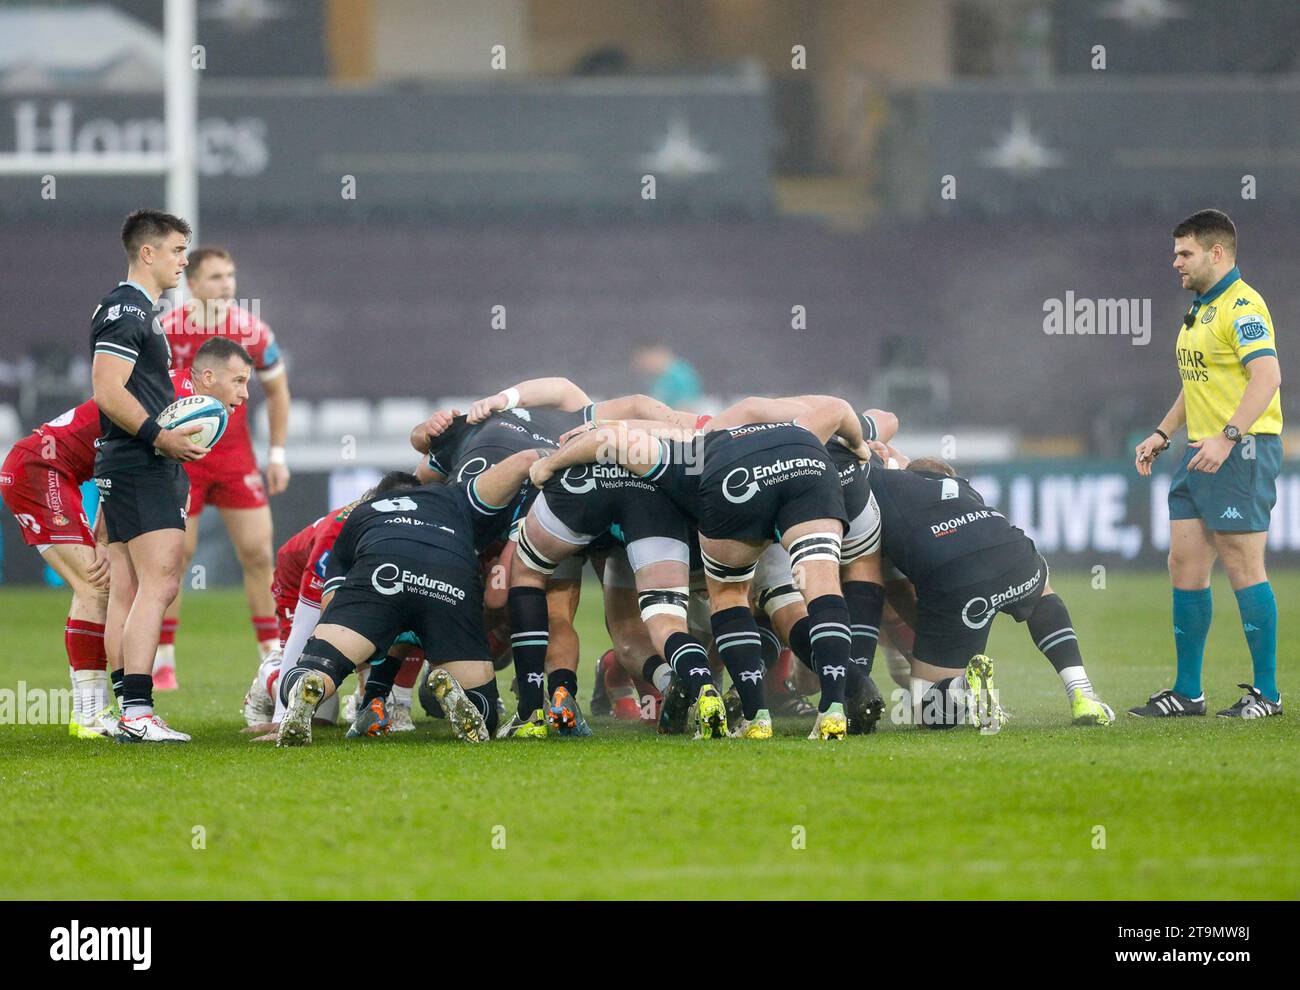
1232 433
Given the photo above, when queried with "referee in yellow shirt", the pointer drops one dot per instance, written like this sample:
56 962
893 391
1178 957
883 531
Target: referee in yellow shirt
1224 489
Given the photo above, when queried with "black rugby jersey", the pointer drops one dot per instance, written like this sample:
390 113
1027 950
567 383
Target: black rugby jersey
929 520
469 449
410 522
124 326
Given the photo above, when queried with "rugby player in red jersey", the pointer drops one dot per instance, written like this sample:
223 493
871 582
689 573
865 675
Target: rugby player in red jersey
40 484
228 477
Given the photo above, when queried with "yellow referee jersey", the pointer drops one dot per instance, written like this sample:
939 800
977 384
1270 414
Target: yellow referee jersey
1230 328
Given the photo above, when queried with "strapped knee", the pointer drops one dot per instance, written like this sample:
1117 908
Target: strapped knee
532 557
772 600
727 573
815 546
664 601
319 655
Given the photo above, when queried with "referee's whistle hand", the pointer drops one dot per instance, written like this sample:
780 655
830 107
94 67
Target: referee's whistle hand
1146 452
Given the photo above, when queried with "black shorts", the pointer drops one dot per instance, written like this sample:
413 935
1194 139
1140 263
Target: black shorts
141 499
439 597
589 499
953 623
763 494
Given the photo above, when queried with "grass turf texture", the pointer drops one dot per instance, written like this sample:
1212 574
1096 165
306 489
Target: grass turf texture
1191 808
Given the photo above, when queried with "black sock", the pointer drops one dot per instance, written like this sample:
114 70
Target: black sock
650 669
866 601
530 634
118 677
484 698
801 647
137 694
832 643
1049 625
736 635
567 679
939 709
771 641
690 662
379 681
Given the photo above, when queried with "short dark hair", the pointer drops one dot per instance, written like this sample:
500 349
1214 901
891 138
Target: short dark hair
391 482
144 226
219 350
1209 227
202 254
932 465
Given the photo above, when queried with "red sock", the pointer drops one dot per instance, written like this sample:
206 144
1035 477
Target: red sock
266 628
783 669
899 632
84 642
168 635
410 669
615 676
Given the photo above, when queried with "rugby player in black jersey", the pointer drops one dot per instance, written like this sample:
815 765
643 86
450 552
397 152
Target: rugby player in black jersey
746 483
775 585
531 413
967 564
409 560
138 471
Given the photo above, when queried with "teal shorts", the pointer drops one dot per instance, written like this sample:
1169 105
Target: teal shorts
1239 497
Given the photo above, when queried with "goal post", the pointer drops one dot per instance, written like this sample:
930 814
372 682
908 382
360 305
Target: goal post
178 164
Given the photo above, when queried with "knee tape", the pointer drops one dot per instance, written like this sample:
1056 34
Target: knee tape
663 601
815 546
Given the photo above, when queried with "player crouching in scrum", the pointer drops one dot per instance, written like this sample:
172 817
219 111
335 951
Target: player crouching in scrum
409 560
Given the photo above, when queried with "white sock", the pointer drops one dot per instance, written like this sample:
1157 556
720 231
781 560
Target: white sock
265 647
661 678
401 696
1075 677
164 656
89 693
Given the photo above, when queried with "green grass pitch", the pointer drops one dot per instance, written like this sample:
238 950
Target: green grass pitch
1194 808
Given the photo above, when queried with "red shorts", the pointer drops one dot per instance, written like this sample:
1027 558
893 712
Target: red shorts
230 483
45 501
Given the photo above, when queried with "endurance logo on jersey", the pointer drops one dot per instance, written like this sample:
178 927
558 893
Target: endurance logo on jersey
1230 327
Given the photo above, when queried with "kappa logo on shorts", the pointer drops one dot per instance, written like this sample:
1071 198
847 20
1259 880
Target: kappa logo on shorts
977 612
1231 512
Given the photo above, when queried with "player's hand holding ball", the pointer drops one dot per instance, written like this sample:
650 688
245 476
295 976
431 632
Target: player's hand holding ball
178 444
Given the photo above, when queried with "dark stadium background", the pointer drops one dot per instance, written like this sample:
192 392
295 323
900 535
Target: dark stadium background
776 187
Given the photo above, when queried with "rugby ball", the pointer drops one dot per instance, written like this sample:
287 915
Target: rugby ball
205 410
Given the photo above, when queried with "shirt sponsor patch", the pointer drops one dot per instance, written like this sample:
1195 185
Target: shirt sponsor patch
1250 328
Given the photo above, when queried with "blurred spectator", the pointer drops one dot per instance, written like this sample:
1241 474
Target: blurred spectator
671 378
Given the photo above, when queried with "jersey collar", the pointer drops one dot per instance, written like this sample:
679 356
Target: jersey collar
154 302
1220 287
